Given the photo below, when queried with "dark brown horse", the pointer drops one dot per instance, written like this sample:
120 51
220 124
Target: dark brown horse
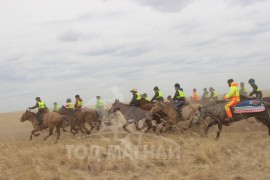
188 111
158 117
71 119
51 120
125 110
216 111
80 118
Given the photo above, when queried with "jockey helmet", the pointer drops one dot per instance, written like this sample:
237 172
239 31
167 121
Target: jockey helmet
177 85
230 81
251 80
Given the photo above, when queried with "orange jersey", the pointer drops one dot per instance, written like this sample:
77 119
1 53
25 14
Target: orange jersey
195 96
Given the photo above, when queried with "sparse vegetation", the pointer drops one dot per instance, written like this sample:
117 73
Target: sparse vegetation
241 153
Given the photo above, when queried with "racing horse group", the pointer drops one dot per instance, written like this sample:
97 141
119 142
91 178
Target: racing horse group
155 115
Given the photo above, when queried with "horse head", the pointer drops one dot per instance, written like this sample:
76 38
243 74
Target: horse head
198 115
26 115
115 106
63 110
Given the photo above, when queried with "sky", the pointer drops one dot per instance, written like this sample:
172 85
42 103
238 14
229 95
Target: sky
56 49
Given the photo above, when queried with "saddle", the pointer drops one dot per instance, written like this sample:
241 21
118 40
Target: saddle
249 106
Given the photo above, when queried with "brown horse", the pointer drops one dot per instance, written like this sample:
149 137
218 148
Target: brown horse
71 119
158 117
125 110
51 120
89 116
188 112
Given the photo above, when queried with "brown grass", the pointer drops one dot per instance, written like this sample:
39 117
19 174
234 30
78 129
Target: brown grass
241 153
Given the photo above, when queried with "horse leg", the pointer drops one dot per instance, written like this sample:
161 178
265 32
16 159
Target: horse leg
210 125
81 127
92 127
265 120
58 128
84 127
144 125
219 130
63 129
137 126
86 130
31 136
58 131
50 133
163 126
65 121
124 127
99 123
154 128
32 133
148 124
158 122
75 130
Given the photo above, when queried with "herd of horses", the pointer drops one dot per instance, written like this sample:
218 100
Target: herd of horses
162 115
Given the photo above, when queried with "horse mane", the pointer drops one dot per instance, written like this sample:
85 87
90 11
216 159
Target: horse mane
32 112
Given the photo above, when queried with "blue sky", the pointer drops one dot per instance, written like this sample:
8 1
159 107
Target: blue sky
56 49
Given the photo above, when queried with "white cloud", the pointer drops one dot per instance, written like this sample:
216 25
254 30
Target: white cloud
56 49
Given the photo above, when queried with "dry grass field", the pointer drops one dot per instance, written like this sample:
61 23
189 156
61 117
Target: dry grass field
243 152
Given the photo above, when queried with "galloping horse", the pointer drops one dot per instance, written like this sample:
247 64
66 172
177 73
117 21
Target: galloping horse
158 116
188 111
125 110
82 117
216 112
50 120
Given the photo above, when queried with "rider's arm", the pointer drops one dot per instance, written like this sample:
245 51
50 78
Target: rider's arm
156 95
76 103
34 107
175 95
254 87
230 94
